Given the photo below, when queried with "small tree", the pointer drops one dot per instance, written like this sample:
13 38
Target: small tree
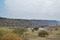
43 33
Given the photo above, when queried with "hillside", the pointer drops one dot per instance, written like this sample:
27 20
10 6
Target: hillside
26 23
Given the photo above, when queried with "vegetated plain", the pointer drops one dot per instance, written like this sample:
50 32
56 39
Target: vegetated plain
18 33
21 29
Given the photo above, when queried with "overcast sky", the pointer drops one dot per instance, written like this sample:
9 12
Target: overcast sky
30 9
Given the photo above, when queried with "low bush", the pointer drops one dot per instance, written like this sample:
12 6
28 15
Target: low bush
36 29
43 33
56 29
19 30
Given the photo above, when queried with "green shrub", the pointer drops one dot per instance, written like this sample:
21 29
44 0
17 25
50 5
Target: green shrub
35 29
11 36
19 30
43 33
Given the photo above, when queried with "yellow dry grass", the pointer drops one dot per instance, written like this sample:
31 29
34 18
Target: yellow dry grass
52 34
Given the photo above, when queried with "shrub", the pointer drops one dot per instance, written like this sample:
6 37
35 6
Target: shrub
32 30
43 33
11 36
56 29
35 29
19 30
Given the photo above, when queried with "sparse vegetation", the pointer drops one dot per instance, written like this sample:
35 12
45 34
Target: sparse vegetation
24 34
10 29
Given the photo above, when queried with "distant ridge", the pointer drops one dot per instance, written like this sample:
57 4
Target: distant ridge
26 23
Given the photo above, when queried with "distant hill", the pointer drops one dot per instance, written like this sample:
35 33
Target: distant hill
26 23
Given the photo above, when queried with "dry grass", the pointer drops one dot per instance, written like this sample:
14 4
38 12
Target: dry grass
53 33
51 30
11 36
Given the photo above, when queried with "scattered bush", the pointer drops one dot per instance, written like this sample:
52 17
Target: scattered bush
43 33
11 36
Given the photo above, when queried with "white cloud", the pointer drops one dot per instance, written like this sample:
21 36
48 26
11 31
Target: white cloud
35 9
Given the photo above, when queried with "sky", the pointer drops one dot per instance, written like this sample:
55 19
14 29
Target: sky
30 9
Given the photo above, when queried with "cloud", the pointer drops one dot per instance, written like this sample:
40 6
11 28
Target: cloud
34 9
